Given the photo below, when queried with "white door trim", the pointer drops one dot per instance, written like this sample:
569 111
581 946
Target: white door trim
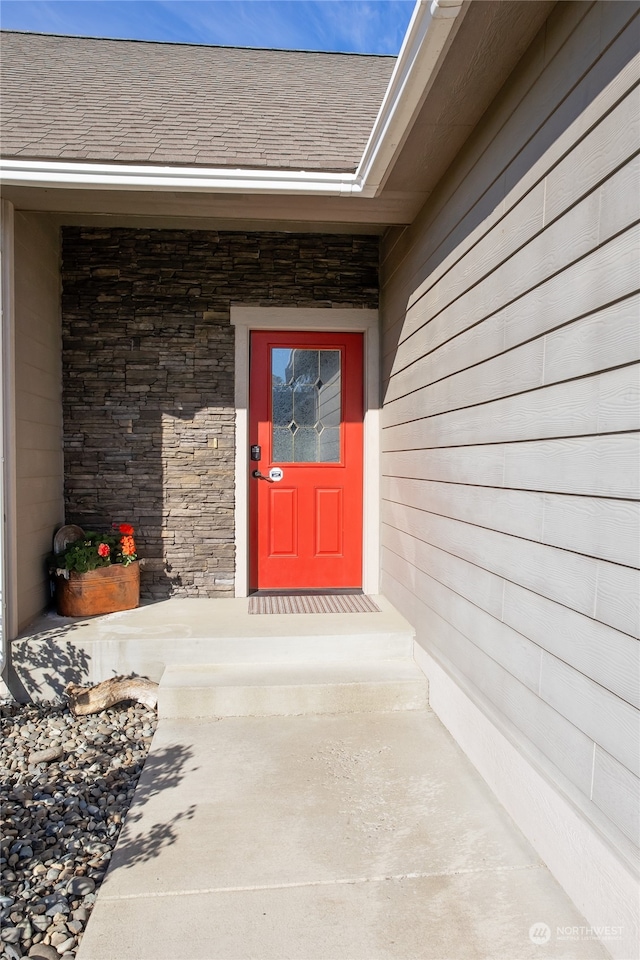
352 320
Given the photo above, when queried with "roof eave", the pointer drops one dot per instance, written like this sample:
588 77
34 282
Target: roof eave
419 60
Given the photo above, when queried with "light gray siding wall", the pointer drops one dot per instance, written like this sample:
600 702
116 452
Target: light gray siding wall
38 379
511 335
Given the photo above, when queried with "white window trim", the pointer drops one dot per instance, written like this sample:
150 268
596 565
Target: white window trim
245 319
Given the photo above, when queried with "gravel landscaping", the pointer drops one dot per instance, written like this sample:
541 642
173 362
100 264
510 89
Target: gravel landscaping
66 785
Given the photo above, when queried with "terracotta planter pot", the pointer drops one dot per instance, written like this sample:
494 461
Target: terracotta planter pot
104 590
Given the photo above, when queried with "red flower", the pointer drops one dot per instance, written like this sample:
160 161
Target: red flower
128 546
126 528
104 550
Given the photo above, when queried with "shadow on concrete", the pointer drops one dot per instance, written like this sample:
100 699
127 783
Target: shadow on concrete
47 660
164 770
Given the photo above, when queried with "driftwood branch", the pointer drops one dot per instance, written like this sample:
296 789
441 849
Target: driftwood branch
86 700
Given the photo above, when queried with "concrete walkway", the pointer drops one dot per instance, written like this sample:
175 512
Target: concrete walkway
361 836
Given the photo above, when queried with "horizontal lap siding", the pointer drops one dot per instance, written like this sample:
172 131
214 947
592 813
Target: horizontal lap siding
511 341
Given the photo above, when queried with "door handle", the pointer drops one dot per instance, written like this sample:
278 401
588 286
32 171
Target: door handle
261 476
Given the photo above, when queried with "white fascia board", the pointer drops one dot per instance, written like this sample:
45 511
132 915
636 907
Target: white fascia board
417 65
115 176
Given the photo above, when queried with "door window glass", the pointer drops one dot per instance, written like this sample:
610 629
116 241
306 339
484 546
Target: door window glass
306 389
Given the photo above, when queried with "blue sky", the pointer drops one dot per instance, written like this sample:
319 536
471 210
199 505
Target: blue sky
358 26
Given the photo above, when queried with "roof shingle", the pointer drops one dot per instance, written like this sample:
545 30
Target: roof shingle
134 101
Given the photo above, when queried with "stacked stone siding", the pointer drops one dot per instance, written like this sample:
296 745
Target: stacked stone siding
149 383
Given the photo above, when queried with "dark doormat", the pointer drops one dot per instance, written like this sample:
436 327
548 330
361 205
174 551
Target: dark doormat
314 603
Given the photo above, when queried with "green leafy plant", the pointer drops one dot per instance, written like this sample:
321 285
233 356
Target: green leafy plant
94 550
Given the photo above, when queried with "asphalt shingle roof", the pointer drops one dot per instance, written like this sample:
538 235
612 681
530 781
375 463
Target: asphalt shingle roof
72 98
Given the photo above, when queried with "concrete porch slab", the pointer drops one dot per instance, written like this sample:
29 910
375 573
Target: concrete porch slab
351 837
54 651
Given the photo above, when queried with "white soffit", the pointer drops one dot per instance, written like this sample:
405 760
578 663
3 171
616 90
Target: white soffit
417 65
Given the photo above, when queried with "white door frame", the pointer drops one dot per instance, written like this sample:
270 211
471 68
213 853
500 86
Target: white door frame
320 319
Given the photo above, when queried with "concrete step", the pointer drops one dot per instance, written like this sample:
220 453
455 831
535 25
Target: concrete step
281 689
193 632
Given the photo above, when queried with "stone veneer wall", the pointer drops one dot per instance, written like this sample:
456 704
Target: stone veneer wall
148 354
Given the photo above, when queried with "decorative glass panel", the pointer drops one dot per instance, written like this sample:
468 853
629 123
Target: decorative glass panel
282 405
305 446
329 445
282 451
306 391
305 404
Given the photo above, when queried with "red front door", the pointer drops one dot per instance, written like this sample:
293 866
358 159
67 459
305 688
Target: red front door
306 406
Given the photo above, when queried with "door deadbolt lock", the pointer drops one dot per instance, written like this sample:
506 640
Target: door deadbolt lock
256 451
